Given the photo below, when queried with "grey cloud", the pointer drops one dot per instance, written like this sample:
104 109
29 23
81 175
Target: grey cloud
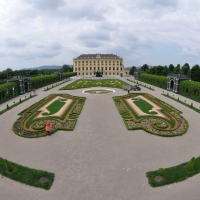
46 4
97 35
88 12
55 46
92 43
12 42
47 45
95 38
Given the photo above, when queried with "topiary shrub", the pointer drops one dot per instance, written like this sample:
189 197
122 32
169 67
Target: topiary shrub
178 98
190 165
9 167
161 171
7 106
191 105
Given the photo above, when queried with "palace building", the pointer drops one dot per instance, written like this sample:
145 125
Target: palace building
104 64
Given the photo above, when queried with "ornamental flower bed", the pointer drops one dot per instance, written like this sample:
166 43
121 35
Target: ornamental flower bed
63 116
165 120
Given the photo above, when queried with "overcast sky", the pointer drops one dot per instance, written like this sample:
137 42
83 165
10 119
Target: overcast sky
53 32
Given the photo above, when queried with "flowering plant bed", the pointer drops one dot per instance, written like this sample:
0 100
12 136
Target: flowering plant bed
61 109
95 83
144 111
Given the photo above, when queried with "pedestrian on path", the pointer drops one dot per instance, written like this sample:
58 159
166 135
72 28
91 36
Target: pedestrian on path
48 127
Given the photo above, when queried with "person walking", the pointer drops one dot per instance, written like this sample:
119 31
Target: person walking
48 127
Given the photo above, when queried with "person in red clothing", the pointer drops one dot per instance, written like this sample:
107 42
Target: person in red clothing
48 127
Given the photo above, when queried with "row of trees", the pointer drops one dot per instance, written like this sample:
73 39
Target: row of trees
164 70
35 72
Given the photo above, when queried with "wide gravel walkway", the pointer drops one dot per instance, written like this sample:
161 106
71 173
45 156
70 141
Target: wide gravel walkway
100 159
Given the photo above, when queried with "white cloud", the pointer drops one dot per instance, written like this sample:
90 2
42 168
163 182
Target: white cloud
47 31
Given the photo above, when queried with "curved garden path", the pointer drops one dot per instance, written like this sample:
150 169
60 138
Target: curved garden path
100 159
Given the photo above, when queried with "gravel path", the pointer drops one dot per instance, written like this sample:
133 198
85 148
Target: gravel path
100 159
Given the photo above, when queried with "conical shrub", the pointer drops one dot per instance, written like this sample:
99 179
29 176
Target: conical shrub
190 165
9 167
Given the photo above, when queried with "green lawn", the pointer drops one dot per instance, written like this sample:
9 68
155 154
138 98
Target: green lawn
173 174
27 175
95 83
55 106
143 106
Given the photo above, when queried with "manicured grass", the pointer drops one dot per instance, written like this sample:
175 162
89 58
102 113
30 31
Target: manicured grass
55 106
95 83
16 104
27 175
184 103
143 106
173 174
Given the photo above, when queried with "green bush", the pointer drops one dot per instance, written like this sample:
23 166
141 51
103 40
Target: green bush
161 171
190 165
9 167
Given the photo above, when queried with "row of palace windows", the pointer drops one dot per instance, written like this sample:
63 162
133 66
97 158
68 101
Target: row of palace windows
91 73
98 68
95 61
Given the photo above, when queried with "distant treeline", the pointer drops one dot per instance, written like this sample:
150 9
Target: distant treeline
9 72
164 70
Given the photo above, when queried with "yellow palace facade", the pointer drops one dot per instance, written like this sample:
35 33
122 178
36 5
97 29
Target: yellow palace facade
105 64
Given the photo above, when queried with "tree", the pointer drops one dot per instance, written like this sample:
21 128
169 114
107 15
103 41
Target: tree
177 69
171 68
195 73
132 70
145 67
66 68
185 69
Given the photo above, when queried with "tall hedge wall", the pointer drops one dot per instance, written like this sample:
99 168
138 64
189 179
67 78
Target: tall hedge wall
69 74
41 81
159 81
7 92
190 89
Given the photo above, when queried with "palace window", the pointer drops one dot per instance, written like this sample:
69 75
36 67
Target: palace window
86 68
109 68
113 68
82 68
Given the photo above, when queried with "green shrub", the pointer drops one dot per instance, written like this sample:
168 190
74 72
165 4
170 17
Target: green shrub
161 171
7 106
9 167
190 165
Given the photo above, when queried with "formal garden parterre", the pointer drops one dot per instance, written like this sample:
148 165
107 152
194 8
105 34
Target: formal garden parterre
61 109
113 83
144 111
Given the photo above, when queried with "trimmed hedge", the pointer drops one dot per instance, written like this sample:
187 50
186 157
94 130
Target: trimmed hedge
158 81
190 89
40 81
6 91
69 74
